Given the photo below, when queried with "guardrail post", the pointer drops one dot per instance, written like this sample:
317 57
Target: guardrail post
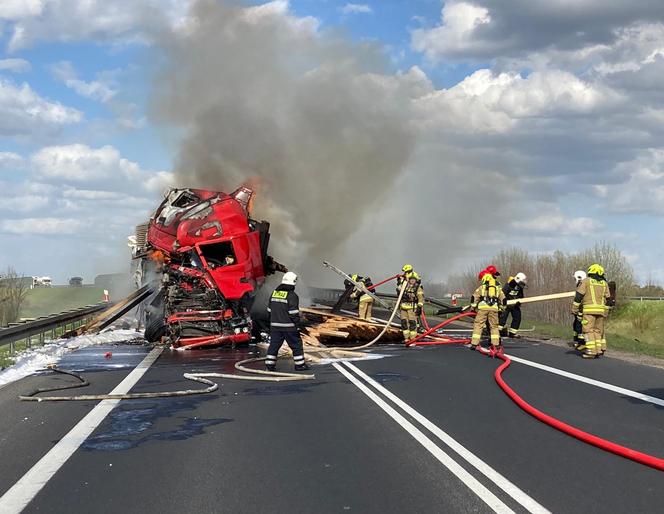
29 341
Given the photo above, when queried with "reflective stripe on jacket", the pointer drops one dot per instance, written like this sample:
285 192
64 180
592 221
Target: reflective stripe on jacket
591 296
284 309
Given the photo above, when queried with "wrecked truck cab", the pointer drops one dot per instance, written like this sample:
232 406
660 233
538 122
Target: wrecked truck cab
212 258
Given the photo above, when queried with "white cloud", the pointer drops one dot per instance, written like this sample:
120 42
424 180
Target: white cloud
488 30
641 190
10 161
44 226
486 101
80 163
24 112
119 21
107 176
17 9
356 9
459 20
557 224
24 203
98 89
14 65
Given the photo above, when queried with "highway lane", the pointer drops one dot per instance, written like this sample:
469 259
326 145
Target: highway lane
327 446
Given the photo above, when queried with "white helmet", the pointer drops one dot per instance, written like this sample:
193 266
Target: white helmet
520 278
289 278
580 275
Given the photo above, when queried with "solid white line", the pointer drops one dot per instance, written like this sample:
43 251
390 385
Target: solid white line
590 381
517 494
23 491
469 480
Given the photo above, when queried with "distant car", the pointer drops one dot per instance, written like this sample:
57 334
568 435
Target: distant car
76 281
41 282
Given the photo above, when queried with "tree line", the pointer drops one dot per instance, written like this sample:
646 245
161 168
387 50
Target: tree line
548 273
13 291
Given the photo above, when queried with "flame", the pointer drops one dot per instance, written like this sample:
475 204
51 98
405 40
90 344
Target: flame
157 256
256 184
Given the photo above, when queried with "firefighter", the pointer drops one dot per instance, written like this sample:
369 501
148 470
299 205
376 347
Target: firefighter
592 301
577 326
364 300
486 301
284 310
513 290
410 308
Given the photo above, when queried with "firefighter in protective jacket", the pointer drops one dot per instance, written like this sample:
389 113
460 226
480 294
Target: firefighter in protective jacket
410 308
593 299
364 300
513 290
284 309
407 272
577 325
487 301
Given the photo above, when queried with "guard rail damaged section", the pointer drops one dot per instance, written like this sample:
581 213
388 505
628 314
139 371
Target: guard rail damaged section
26 329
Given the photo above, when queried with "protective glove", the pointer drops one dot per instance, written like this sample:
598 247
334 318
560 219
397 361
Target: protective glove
517 305
418 311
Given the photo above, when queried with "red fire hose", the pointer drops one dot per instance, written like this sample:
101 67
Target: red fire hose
603 444
374 286
641 458
417 341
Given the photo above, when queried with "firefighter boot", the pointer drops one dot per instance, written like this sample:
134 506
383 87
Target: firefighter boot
301 367
270 367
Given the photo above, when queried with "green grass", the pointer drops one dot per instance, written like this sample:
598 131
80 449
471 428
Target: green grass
51 300
635 327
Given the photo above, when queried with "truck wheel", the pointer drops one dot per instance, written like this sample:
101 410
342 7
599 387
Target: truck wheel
155 329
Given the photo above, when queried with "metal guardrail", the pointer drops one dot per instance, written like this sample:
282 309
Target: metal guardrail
646 298
26 330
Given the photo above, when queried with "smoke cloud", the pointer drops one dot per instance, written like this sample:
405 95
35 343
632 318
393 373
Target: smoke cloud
311 120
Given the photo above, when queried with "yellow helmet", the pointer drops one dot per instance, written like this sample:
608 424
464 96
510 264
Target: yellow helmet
354 277
595 269
407 268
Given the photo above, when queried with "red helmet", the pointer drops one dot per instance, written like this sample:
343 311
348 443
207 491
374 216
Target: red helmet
492 269
481 275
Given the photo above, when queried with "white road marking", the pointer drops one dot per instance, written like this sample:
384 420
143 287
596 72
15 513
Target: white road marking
517 494
23 491
590 381
469 480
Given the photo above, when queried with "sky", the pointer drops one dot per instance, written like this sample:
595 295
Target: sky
474 126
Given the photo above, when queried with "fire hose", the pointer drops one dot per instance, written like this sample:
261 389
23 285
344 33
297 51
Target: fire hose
377 338
603 444
265 376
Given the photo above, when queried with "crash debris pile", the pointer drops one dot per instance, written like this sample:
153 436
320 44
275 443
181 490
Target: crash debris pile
327 335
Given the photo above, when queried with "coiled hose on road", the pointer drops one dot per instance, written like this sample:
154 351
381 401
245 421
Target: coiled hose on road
203 378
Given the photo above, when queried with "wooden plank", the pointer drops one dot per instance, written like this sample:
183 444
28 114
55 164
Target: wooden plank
542 298
333 333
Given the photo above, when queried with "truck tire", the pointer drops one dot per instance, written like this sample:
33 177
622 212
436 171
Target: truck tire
155 329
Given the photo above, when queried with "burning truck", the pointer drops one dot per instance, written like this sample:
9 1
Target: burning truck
208 258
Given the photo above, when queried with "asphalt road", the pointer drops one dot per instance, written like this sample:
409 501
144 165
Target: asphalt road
418 430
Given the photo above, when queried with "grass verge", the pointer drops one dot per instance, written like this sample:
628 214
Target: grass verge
635 327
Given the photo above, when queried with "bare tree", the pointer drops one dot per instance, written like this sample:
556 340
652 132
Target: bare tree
553 273
13 291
